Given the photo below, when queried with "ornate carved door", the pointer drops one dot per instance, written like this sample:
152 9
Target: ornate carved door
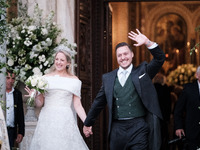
93 59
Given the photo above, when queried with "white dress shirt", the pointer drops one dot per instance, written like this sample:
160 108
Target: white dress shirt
10 109
198 85
153 46
120 72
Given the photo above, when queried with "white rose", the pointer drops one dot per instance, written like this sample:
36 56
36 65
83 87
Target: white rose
31 28
44 31
10 62
31 55
36 71
27 67
44 43
49 41
26 43
42 58
46 63
30 32
37 47
34 82
18 37
47 71
41 84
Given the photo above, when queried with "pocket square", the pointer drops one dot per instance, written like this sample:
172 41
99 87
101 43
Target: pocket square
141 75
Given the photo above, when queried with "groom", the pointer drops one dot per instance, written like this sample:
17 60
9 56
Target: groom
131 104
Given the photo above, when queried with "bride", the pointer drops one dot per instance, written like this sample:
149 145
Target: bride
57 124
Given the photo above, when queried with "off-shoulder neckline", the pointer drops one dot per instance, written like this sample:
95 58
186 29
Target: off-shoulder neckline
62 77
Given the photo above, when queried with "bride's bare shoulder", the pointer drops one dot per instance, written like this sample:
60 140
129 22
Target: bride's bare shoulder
47 75
74 77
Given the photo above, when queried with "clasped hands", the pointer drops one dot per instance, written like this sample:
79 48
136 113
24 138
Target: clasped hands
87 131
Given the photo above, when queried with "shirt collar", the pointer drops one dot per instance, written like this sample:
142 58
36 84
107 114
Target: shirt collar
128 69
198 83
11 91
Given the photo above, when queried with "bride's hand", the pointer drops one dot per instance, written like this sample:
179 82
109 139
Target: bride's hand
29 91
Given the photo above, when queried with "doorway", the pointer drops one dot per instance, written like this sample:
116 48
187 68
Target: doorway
170 24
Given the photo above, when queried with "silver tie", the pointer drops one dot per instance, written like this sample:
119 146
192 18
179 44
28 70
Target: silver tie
123 78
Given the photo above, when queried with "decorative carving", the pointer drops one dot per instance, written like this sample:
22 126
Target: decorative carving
84 49
151 6
192 7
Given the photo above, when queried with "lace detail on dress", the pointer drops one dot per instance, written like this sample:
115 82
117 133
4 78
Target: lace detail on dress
57 124
3 133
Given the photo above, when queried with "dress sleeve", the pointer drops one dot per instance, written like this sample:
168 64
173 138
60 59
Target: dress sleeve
77 88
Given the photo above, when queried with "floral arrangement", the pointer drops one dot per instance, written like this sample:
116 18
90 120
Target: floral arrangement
31 43
38 83
182 74
3 31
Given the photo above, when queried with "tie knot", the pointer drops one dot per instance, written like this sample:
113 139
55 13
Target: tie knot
123 77
124 72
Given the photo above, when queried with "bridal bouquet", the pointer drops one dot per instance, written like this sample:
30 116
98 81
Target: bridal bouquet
38 83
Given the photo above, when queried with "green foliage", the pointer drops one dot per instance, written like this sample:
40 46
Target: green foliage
197 29
3 32
3 28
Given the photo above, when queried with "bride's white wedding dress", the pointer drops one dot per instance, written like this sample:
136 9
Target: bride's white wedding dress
4 143
57 124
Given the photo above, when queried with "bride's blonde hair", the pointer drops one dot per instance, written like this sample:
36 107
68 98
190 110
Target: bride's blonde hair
69 60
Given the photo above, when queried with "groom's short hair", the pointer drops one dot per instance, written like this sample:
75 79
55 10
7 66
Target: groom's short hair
123 44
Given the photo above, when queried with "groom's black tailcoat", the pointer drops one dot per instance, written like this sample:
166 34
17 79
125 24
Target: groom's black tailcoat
142 79
18 113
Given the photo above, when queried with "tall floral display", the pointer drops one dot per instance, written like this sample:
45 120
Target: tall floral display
182 74
31 43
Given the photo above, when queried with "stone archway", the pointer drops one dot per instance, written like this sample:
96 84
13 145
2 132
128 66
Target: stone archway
186 10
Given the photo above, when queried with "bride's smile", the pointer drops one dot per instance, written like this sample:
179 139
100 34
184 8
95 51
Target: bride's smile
61 62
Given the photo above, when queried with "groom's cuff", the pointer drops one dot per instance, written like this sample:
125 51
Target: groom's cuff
153 46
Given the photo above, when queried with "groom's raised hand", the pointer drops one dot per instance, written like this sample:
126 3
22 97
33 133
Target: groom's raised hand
87 131
139 38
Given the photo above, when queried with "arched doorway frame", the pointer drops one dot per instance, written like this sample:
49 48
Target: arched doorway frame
190 19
